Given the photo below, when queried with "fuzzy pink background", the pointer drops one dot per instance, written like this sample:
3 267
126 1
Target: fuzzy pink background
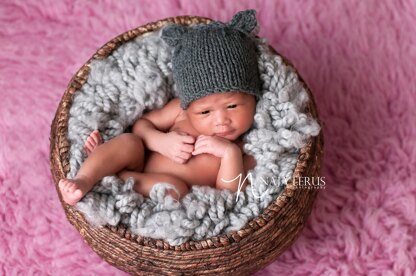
359 59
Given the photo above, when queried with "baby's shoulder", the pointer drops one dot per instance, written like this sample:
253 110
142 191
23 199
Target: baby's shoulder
172 108
164 117
175 110
173 104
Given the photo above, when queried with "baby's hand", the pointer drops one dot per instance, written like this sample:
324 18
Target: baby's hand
178 146
214 145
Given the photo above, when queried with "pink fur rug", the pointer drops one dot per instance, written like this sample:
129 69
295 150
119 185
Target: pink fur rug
358 57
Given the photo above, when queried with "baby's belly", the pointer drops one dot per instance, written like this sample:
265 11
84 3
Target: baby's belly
201 169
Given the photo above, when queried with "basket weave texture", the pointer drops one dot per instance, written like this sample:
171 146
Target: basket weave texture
240 252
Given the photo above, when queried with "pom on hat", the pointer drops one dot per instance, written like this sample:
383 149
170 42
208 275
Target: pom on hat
244 21
172 34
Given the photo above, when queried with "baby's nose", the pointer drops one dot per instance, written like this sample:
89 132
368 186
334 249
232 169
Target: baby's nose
222 118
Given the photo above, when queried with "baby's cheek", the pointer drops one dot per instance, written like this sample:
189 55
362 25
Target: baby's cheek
246 122
207 129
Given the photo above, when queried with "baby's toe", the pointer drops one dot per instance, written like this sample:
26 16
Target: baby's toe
72 187
67 185
78 193
97 138
89 145
63 183
91 140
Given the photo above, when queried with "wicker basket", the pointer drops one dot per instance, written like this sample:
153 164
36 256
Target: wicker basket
241 252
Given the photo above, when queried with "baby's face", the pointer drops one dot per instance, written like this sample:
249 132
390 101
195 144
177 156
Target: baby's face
227 115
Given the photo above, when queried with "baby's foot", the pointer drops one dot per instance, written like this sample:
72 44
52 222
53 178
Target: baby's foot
93 141
71 190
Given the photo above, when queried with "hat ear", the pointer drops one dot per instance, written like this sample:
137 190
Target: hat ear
173 33
244 21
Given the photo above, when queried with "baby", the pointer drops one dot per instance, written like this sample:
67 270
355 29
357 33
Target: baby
194 139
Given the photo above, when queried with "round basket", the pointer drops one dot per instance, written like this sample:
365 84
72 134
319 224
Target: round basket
240 252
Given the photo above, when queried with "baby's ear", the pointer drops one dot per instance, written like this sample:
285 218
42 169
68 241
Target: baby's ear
172 34
244 21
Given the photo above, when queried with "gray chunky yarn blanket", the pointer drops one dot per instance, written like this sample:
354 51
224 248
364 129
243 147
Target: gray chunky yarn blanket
137 77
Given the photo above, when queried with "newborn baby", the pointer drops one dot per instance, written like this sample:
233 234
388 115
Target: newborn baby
193 140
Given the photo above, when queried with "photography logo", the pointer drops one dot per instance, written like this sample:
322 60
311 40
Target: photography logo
304 182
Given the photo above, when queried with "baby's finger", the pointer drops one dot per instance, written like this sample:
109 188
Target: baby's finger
200 149
184 155
200 137
197 152
203 138
187 148
200 143
188 139
181 132
179 160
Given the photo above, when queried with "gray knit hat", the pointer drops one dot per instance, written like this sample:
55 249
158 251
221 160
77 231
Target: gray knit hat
215 57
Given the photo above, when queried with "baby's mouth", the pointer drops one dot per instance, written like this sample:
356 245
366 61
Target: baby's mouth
224 133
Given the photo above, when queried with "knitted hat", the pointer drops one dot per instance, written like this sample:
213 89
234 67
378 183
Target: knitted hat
214 58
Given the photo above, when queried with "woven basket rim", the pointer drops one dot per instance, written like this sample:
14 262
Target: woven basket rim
59 153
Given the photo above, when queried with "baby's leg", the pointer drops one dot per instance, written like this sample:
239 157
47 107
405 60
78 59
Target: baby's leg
144 182
122 152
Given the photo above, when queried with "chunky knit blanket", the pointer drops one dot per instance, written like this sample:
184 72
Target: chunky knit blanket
138 77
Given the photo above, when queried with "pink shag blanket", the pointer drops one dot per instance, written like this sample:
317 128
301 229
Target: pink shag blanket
358 57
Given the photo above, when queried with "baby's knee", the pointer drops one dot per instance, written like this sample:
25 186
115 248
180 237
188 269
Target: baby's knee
131 141
132 147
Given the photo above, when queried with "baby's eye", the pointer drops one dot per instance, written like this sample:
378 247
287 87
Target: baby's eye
205 112
232 106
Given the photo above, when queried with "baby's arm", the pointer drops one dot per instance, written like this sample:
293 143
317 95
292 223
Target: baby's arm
231 173
232 170
152 127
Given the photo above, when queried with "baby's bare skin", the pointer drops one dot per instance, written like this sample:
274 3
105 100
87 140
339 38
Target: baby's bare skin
186 147
206 165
